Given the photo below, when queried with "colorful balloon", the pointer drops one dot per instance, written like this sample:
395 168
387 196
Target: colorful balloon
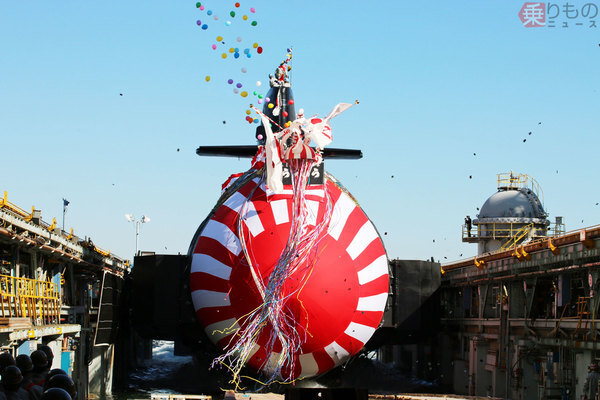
270 105
201 8
252 9
228 23
244 94
245 17
219 38
238 85
258 83
232 14
236 90
209 12
236 55
198 22
231 50
285 114
207 78
254 23
214 46
255 45
290 102
239 39
260 101
230 81
244 70
237 4
259 50
204 27
248 112
198 4
224 55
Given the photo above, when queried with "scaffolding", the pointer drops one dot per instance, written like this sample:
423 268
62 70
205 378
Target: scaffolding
30 298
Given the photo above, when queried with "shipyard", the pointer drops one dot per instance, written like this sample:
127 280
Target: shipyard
248 200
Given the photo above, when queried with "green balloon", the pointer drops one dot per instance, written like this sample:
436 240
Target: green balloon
254 23
232 14
198 4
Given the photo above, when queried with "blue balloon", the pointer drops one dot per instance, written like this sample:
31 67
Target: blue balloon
209 12
205 27
248 55
246 51
236 55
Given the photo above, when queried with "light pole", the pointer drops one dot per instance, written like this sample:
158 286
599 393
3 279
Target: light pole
144 219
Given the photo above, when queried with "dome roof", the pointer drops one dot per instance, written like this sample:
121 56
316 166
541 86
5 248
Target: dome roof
521 203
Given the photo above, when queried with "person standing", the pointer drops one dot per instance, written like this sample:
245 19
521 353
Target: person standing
468 225
590 387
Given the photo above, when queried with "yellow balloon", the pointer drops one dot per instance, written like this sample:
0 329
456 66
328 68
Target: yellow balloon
224 55
270 105
219 38
207 78
231 49
248 112
245 17
244 94
255 45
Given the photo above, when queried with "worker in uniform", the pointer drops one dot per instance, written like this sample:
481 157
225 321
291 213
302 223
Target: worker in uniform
26 366
468 225
40 367
46 349
11 383
56 394
6 359
590 387
64 382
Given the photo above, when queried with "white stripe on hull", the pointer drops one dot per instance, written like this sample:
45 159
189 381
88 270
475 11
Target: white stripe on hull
221 233
365 235
208 298
377 268
209 265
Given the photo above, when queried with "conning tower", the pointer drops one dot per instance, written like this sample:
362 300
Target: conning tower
513 215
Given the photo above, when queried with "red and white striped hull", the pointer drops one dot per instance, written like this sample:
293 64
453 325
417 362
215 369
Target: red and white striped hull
339 305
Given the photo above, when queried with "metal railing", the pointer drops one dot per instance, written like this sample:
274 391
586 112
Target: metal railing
4 203
501 230
520 235
29 298
511 180
18 211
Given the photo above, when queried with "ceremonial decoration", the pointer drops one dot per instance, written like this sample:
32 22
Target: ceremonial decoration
288 277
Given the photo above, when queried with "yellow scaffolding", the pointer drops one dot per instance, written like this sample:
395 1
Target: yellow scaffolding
29 298
517 237
502 230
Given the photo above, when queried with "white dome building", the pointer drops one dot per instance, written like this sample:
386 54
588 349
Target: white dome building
512 215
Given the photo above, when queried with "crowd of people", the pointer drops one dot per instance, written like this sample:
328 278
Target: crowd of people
31 377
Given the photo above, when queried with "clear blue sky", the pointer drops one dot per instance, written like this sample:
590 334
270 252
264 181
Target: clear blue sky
437 81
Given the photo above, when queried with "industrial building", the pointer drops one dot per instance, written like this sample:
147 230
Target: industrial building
519 319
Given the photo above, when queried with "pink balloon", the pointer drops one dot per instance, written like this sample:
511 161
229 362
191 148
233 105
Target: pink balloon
252 9
214 46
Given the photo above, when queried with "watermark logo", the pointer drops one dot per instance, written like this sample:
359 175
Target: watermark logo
565 15
533 15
